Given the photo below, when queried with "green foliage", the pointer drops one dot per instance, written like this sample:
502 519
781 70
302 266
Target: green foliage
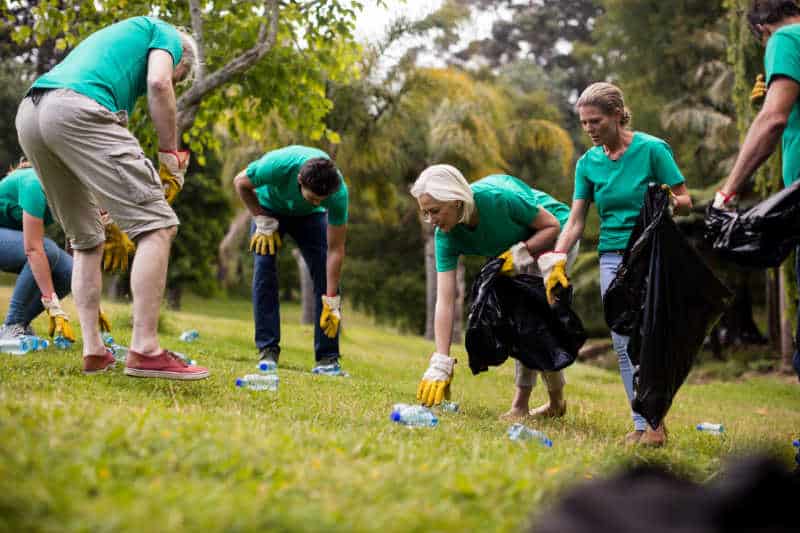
12 87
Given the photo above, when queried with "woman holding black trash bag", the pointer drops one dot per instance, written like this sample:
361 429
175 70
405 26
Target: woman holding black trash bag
498 215
614 174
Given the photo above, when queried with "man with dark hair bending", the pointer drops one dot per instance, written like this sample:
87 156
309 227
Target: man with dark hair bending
776 24
297 190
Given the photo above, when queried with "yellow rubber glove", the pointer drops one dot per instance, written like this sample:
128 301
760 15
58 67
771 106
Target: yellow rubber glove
331 315
117 249
673 200
759 91
59 321
103 322
515 259
553 266
172 166
435 384
266 239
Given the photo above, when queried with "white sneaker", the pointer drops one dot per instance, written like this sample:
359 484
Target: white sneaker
11 331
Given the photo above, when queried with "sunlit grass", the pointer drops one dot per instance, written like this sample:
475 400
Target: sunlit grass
110 452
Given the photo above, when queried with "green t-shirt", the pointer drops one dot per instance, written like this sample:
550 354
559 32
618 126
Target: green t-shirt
782 58
506 208
22 191
110 66
618 187
275 179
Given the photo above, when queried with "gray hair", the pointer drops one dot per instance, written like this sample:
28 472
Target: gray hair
607 97
190 57
446 184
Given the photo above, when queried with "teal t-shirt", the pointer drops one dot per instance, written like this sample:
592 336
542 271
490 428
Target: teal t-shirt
110 66
22 191
782 58
506 207
618 187
275 179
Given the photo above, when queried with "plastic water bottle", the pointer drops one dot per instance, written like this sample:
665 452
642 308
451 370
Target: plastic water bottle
714 429
413 415
185 358
41 344
62 342
119 352
521 432
17 346
108 340
450 407
267 367
259 382
189 335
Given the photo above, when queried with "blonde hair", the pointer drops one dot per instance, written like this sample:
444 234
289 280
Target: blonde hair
190 57
607 97
446 184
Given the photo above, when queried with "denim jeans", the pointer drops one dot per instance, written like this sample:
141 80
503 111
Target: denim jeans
609 263
796 360
310 232
26 300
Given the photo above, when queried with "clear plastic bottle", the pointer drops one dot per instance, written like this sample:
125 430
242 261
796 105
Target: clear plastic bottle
189 335
62 342
258 382
41 344
18 346
413 415
119 352
185 358
267 367
708 427
108 340
450 407
521 432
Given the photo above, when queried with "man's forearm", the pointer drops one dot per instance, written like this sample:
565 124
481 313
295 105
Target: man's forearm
161 99
760 142
334 271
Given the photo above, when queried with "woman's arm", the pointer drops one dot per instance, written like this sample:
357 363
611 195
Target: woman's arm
546 228
573 230
445 309
33 240
683 202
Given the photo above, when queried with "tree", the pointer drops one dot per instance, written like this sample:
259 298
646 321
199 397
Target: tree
273 56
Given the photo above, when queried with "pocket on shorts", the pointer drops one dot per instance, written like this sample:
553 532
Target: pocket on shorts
138 175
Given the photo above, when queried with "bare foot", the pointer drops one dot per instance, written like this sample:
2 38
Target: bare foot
515 413
549 410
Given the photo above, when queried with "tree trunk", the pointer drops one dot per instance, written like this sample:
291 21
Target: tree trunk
306 288
430 279
458 313
228 256
787 335
773 307
174 294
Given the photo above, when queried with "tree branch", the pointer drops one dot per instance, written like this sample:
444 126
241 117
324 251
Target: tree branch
190 100
197 29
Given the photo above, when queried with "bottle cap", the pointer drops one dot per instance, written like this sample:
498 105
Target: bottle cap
796 444
239 382
395 416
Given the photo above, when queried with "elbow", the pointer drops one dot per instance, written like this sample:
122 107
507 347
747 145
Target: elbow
159 85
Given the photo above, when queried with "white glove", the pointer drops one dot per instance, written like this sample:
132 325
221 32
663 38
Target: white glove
521 256
440 369
724 202
548 260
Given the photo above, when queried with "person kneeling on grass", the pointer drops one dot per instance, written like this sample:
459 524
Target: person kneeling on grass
297 190
496 215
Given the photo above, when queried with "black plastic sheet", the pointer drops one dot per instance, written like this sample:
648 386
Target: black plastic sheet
761 237
510 317
667 300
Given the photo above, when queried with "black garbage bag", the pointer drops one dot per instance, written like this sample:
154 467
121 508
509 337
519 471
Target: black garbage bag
509 317
667 300
761 237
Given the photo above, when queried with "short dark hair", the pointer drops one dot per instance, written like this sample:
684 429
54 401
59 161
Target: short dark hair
770 12
320 175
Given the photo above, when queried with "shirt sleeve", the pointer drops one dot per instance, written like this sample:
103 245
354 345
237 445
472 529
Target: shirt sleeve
337 206
270 169
583 187
782 57
664 165
32 198
166 37
446 257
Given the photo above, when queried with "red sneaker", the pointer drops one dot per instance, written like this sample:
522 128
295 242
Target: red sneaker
164 365
94 364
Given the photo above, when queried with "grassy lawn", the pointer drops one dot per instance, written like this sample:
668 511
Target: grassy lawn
112 453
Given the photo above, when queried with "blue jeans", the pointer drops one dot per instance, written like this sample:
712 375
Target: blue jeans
310 232
796 360
26 300
609 263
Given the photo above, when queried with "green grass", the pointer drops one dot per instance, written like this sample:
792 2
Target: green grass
112 453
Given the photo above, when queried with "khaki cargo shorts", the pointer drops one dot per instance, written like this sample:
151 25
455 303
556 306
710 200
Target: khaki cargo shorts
87 159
